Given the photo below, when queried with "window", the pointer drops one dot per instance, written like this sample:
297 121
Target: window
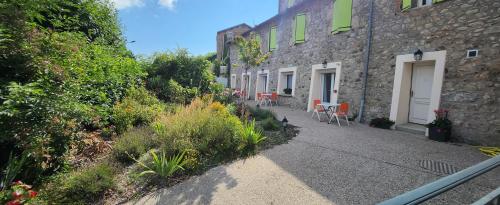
408 4
286 81
290 3
272 38
300 28
289 79
342 13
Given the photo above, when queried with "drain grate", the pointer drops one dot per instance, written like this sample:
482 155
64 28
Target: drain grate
439 167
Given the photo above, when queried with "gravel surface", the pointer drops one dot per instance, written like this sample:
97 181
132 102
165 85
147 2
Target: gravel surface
327 164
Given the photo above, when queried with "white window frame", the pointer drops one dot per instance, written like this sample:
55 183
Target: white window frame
257 83
233 81
420 3
282 72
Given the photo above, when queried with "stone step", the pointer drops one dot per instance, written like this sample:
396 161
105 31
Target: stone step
412 128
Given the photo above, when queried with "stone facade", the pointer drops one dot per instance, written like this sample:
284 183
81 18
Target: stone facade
471 86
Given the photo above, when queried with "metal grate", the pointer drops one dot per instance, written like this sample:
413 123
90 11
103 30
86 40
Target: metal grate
439 167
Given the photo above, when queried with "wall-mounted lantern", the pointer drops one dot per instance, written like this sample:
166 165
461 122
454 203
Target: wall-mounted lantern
325 63
418 55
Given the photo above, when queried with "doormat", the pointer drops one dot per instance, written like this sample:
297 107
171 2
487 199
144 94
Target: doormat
439 167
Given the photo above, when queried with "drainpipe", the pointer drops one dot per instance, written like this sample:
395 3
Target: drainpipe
367 61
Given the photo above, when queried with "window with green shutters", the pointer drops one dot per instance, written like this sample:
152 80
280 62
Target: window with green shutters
406 4
257 38
342 12
300 28
272 38
437 1
291 3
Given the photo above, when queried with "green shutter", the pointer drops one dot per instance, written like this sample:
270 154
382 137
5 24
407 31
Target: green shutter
342 11
257 38
437 1
406 5
272 38
290 3
300 28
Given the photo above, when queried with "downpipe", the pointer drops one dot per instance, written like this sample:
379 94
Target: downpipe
367 61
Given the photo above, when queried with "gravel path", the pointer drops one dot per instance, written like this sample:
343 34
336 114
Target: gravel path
326 164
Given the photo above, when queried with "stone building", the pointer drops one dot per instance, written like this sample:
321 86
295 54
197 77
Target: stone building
362 52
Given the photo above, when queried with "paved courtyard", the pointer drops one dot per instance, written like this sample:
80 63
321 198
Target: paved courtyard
326 164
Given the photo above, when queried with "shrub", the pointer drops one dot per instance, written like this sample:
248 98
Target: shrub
270 124
138 108
133 143
382 122
252 137
18 193
81 187
261 114
161 165
205 128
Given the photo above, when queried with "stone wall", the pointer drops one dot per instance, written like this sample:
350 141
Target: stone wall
471 89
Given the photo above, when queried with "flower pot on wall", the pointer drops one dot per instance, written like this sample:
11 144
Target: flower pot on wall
439 134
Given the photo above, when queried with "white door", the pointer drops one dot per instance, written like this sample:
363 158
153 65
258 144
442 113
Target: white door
327 87
421 88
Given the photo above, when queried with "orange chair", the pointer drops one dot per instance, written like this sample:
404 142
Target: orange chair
342 111
274 98
318 108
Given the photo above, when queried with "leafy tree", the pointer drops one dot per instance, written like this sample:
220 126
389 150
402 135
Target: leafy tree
179 73
250 53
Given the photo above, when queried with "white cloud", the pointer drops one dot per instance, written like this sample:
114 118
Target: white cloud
169 4
123 4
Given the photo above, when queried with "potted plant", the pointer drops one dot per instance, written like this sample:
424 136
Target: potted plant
287 91
440 128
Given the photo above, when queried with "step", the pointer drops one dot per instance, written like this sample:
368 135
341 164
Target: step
412 128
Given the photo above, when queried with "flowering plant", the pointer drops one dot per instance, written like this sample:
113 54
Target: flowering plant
19 193
441 120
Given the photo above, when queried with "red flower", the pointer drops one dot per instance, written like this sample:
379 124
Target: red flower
14 202
32 194
17 195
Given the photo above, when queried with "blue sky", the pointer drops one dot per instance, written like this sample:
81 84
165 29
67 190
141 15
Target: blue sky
161 25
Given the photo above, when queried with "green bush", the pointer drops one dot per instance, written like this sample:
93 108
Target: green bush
138 108
80 187
261 114
270 124
252 137
162 166
133 143
204 128
179 76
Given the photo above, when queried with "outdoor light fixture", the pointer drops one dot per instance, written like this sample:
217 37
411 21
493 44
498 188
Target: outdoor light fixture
262 70
418 55
325 63
284 122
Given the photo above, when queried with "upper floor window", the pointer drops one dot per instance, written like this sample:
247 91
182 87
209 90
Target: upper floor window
291 3
300 28
342 13
272 38
408 4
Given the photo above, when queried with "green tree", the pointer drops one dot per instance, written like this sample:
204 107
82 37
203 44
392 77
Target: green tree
178 73
250 53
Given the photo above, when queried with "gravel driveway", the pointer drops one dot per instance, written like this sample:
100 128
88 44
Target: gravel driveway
327 164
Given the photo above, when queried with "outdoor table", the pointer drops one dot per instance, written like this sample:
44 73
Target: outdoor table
266 97
329 109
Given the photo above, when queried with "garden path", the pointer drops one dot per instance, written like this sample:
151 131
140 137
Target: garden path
327 164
